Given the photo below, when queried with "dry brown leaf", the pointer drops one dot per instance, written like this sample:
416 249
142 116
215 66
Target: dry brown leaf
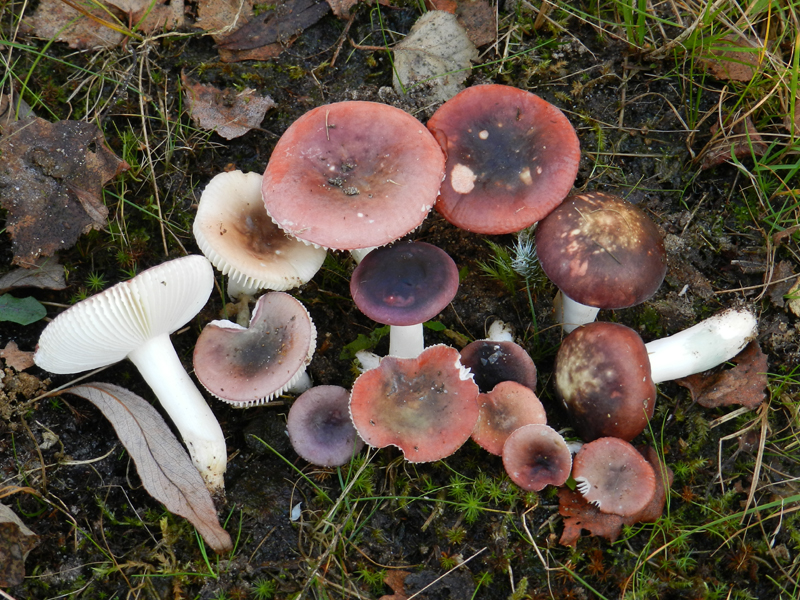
479 19
16 358
784 278
54 19
732 58
445 5
221 17
744 384
51 181
164 467
262 32
396 580
793 299
45 274
743 141
579 514
341 8
164 15
228 112
16 540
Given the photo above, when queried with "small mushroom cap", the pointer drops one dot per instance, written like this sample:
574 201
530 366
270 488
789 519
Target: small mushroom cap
511 158
106 327
234 231
602 373
613 475
505 409
602 251
492 362
536 456
353 175
426 406
320 428
404 284
247 366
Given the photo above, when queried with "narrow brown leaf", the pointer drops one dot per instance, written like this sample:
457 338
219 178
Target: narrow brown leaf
741 141
744 384
46 274
164 467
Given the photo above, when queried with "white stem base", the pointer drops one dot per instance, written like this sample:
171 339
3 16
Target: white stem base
572 314
162 370
406 341
500 331
702 347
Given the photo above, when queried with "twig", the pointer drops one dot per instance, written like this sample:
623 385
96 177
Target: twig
461 564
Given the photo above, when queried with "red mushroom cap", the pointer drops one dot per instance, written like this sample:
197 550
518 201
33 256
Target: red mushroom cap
536 456
404 284
613 475
602 374
251 366
602 251
511 158
320 428
492 362
426 406
353 175
506 408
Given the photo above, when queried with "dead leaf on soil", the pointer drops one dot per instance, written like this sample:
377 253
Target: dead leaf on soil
165 15
479 19
164 467
396 581
785 278
16 540
13 109
793 299
264 36
732 58
743 141
221 17
437 51
744 384
228 112
45 274
51 182
54 19
16 358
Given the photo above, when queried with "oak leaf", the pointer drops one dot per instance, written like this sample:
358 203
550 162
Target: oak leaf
16 358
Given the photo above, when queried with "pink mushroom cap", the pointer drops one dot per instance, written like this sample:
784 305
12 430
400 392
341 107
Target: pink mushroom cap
536 456
426 406
353 175
509 406
511 158
320 428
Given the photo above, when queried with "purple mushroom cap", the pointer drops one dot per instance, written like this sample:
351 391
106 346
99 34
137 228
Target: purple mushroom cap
320 428
404 284
493 362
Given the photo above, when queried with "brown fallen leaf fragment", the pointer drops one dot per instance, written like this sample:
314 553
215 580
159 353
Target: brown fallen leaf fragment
221 17
51 181
16 540
479 19
45 274
342 8
579 514
164 15
396 581
16 358
54 19
166 471
784 279
744 384
742 141
732 58
228 112
267 33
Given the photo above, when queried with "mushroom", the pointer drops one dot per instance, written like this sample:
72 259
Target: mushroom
404 285
320 428
498 358
353 175
535 456
606 375
505 409
249 366
134 320
601 252
511 158
614 476
426 406
234 231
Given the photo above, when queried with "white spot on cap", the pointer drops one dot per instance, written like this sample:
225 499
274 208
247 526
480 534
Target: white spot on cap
525 176
484 135
462 179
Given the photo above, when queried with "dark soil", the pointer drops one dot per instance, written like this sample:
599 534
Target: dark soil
100 535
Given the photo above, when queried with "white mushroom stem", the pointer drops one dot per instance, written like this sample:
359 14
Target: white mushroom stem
702 347
500 331
572 314
159 365
406 341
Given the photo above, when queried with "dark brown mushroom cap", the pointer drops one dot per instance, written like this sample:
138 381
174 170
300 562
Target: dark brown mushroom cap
404 284
353 175
246 366
511 158
601 251
602 374
320 428
613 475
505 409
536 456
492 362
426 406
